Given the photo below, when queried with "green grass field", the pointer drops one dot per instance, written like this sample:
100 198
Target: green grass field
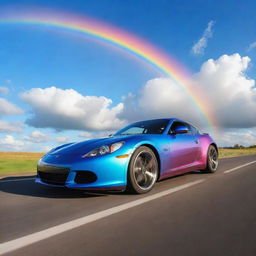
22 163
226 152
18 163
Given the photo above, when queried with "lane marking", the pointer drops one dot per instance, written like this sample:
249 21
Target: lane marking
3 181
49 232
239 167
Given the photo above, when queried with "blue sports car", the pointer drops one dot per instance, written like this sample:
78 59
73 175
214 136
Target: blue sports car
134 158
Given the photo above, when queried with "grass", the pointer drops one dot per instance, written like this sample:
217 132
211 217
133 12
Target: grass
20 163
230 152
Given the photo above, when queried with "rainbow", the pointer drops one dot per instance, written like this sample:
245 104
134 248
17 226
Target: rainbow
129 43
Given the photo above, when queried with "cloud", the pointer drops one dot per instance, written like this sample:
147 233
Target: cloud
199 47
230 137
37 137
4 90
231 93
9 143
224 82
67 109
161 98
251 46
62 139
86 135
7 108
95 134
11 126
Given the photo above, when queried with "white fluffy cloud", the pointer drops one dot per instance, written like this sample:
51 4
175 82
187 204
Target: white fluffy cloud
9 143
231 93
159 98
37 137
199 47
229 90
7 108
6 126
162 98
68 109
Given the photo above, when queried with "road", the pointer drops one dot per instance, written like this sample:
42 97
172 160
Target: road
191 214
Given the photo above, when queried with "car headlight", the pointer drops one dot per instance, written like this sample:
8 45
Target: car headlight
103 150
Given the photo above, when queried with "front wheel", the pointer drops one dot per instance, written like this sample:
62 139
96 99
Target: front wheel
143 170
212 159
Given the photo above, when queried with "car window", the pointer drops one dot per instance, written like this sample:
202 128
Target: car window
176 124
145 127
193 130
135 130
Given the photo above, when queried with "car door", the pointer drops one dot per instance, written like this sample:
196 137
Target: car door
184 148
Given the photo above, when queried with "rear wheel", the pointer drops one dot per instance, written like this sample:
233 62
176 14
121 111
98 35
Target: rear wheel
212 159
143 170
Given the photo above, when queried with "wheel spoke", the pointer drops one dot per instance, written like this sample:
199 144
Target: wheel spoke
145 170
213 157
149 174
145 161
139 162
150 164
137 170
214 161
140 178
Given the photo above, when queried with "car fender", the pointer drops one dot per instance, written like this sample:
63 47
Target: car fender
205 142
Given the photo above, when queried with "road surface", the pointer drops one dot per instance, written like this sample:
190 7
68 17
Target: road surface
191 214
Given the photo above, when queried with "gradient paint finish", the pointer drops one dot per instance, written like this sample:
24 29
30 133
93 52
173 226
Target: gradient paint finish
177 154
119 38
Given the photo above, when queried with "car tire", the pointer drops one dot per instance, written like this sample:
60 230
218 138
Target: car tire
142 171
212 160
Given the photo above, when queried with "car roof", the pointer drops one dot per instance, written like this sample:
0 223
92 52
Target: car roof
168 118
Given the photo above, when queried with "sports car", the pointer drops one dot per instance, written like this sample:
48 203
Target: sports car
134 158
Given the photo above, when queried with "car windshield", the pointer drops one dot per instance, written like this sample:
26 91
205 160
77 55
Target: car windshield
145 127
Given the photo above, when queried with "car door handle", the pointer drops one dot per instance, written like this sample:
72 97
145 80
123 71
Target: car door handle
196 141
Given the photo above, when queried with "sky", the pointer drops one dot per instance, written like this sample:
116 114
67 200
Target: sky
59 86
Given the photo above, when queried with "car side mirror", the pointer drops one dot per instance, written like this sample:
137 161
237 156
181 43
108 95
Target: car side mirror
180 130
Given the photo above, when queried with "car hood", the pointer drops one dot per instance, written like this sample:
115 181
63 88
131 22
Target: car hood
86 146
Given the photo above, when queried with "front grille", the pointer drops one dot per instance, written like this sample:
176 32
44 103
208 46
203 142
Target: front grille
53 174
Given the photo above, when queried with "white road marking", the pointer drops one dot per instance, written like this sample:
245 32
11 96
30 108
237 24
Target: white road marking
49 232
239 167
11 180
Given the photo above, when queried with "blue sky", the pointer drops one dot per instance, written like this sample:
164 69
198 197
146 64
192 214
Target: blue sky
36 57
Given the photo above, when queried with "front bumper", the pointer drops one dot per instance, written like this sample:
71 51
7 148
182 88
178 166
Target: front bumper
98 173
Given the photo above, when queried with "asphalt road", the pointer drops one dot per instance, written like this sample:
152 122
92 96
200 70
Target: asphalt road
194 214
